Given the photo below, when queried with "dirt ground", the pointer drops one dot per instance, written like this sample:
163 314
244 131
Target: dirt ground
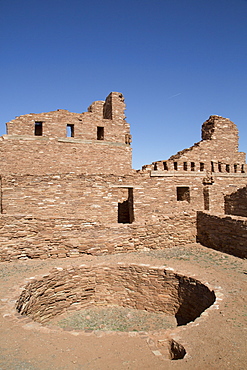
216 340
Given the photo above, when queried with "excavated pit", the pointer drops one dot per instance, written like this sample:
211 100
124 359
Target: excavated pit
142 287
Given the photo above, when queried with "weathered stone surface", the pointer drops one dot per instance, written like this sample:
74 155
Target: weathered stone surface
224 233
132 286
62 195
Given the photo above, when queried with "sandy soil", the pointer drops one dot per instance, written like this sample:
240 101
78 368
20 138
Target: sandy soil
216 340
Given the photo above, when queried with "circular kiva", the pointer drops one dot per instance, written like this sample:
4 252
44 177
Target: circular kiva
138 286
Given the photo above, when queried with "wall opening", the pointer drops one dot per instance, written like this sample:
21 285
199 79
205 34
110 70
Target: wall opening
155 167
175 164
165 166
235 168
201 166
185 166
38 128
70 130
192 166
100 133
206 198
126 206
212 166
227 168
242 168
183 193
219 167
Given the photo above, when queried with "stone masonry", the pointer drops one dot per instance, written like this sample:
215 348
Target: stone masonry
68 187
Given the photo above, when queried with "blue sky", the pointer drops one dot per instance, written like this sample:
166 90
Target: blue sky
176 61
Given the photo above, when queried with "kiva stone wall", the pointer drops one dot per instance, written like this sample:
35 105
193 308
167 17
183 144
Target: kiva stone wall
137 286
30 237
224 233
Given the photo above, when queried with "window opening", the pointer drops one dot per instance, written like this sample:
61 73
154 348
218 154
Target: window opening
242 168
192 166
165 166
70 130
100 133
201 166
227 168
235 168
155 167
183 193
185 166
38 129
126 207
212 166
175 164
219 167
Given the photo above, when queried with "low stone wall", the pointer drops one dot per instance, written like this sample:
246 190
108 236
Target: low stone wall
137 286
30 237
236 203
224 233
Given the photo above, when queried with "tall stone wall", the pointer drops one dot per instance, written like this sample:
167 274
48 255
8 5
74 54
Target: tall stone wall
62 142
224 233
100 198
67 187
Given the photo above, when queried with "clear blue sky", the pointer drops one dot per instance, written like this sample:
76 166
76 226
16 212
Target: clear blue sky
176 61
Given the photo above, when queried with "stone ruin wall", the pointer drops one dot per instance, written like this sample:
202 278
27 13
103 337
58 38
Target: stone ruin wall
97 197
25 237
96 142
50 180
235 203
227 234
216 154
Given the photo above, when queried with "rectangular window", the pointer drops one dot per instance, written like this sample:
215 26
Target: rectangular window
70 130
100 133
192 166
212 166
235 168
227 168
183 193
242 168
165 166
155 167
175 164
38 128
201 166
185 166
219 167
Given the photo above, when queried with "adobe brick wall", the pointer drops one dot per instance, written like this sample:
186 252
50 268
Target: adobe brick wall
136 286
47 237
224 233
